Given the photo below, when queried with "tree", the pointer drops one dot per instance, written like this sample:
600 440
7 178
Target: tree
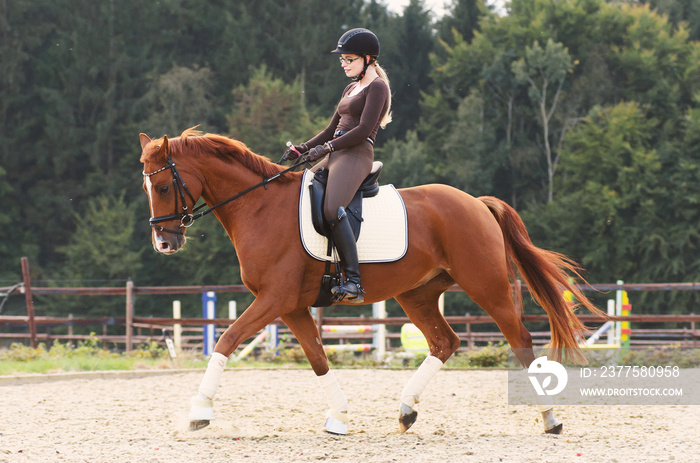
463 18
179 99
101 247
540 69
407 59
268 112
606 207
407 162
679 11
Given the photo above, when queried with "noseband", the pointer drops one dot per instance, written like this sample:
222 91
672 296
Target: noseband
186 218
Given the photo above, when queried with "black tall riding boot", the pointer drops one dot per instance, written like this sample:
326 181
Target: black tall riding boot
344 241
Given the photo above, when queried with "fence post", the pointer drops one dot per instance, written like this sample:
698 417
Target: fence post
129 314
70 329
30 302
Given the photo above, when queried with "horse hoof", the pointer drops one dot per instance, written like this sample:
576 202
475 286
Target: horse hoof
196 425
555 430
407 416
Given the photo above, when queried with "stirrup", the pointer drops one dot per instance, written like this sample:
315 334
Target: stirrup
342 292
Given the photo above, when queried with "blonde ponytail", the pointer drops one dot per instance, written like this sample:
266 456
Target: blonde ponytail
387 117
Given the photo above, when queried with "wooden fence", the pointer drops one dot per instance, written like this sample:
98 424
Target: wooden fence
141 329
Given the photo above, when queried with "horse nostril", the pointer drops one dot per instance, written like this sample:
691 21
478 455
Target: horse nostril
164 246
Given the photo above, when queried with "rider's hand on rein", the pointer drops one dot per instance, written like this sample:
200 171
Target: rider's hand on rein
294 152
319 151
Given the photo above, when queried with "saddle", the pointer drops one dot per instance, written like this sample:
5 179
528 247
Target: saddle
368 189
317 191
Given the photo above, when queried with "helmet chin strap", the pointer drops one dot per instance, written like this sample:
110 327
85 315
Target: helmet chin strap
364 70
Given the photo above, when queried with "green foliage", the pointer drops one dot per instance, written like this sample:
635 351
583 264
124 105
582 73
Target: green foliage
268 112
492 355
406 163
88 355
609 178
664 356
99 248
179 99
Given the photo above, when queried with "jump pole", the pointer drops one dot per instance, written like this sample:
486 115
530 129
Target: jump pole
378 337
253 344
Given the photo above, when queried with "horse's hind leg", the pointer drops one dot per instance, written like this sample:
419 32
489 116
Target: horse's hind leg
421 307
304 329
492 292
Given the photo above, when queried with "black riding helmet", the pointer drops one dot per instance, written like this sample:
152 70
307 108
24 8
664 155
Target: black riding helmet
361 42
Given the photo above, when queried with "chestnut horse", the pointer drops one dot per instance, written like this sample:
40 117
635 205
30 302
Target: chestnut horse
477 243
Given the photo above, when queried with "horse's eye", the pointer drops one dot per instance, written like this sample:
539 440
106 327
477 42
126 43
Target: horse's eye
163 190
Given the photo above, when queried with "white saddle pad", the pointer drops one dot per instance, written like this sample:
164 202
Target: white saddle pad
384 232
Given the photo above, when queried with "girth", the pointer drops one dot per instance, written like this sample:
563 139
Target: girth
368 189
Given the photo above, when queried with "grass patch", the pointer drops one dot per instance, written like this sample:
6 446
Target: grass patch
88 356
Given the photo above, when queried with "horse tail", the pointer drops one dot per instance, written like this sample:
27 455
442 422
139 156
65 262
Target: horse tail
547 274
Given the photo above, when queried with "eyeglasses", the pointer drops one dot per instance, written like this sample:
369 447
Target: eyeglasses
347 60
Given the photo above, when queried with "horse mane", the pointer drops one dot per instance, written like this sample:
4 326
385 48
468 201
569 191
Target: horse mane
197 143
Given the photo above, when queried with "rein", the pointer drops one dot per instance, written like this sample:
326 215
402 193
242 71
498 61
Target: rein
187 219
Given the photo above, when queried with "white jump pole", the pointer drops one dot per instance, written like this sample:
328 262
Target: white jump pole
177 328
441 303
379 338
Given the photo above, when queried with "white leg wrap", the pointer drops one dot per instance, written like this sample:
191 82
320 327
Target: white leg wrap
201 405
544 402
212 376
337 416
410 395
335 396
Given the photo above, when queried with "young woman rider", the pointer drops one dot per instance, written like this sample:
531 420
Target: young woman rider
346 146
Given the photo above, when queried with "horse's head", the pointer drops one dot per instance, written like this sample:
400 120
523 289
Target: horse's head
171 191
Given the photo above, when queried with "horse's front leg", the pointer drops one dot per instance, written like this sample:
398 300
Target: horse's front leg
258 315
305 330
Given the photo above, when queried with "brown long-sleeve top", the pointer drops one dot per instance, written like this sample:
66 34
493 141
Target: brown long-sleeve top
358 115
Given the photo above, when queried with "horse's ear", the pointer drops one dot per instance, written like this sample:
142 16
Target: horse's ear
165 148
144 140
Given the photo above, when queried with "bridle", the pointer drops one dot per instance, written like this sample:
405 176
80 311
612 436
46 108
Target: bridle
187 218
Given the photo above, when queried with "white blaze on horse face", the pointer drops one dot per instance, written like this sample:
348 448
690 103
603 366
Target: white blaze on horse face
149 190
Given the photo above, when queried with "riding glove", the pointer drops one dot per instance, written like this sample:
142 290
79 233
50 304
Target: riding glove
319 151
292 154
